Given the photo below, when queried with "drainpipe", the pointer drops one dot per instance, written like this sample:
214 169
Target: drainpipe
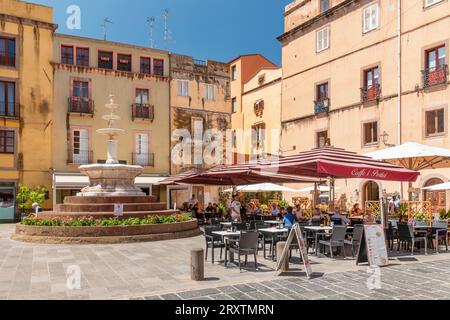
399 78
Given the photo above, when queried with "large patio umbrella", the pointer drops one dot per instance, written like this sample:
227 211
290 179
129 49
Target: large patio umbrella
314 188
439 187
178 177
262 187
414 156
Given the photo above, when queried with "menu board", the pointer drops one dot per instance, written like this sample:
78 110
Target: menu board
372 247
118 210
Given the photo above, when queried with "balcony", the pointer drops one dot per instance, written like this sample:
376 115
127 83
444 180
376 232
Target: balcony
143 111
80 157
81 106
143 159
435 76
9 110
321 106
371 93
7 60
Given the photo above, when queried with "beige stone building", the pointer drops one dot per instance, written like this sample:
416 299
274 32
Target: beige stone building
26 101
200 107
363 74
254 81
86 72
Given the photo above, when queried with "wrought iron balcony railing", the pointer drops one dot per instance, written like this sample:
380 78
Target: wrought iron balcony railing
9 110
143 159
321 106
143 111
81 106
7 60
370 93
80 157
435 76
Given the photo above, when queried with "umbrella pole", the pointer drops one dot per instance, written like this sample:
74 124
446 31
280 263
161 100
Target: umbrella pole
314 202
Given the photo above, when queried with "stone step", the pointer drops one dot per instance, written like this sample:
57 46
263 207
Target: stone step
104 200
109 207
106 215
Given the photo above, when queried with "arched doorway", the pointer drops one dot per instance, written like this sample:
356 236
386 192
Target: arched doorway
437 198
371 192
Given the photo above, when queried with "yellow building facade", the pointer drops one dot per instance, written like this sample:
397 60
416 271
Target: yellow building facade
357 78
86 72
26 101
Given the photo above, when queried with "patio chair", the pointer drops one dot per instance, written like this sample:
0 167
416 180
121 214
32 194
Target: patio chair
336 221
316 221
213 241
406 236
256 224
336 240
356 238
240 226
215 221
391 235
246 245
440 232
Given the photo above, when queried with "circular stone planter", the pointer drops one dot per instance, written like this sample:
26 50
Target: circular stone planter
106 235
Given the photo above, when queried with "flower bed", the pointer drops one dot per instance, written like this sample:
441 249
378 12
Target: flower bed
91 222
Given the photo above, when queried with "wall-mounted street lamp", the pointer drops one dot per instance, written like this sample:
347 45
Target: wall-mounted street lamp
385 138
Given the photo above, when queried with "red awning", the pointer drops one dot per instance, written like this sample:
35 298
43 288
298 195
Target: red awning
338 163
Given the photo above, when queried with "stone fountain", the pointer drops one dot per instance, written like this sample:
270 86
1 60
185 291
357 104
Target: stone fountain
112 178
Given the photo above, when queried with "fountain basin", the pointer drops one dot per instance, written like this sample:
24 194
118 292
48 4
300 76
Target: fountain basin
111 180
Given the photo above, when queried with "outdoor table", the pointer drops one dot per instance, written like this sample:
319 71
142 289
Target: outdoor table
227 234
226 224
273 232
316 231
273 222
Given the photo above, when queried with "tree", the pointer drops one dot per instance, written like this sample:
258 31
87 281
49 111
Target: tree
27 196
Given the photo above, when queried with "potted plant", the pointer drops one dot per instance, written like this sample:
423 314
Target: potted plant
283 203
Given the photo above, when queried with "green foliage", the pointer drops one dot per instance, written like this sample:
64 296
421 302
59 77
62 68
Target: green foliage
91 222
444 215
27 196
283 203
421 216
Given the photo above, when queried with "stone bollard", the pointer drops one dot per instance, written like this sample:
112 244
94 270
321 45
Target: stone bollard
280 248
197 265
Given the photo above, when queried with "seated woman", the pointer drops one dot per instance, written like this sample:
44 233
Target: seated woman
356 211
369 218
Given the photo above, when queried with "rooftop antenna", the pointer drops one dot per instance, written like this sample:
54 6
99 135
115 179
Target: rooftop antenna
151 22
105 26
167 33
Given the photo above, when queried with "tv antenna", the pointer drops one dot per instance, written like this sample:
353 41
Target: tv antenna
104 26
167 32
151 22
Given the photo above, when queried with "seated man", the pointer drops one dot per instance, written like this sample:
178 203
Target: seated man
338 215
289 218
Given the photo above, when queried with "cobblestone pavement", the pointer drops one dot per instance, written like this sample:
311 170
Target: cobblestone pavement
33 271
416 281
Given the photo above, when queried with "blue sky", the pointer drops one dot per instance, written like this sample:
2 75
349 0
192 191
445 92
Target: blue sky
214 29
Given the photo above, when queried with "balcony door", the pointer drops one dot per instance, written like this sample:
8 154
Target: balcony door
142 149
80 146
435 58
80 95
7 99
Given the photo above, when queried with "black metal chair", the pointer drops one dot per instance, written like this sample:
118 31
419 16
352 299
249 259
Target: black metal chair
213 241
336 240
440 233
316 221
391 236
355 240
406 237
246 245
215 221
240 226
337 221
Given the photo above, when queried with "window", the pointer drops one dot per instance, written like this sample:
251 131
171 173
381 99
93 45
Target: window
8 106
322 37
66 54
7 141
105 60
233 73
158 67
81 89
142 156
80 146
371 17
124 62
436 68
209 92
370 133
146 65
142 96
83 57
7 52
429 3
183 88
80 101
435 58
371 89
322 92
258 135
234 105
322 139
233 139
324 5
435 122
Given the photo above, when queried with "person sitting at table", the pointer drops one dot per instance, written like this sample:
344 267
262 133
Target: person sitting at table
209 211
289 218
356 211
338 215
300 216
275 210
369 218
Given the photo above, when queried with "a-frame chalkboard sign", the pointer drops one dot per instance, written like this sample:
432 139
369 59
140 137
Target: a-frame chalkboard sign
297 233
372 246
